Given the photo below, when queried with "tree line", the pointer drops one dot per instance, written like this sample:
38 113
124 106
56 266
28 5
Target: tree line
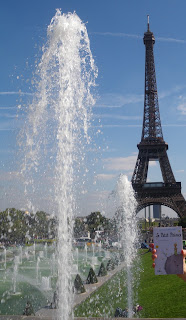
20 227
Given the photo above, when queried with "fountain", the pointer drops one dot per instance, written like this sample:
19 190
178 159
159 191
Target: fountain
46 283
85 253
26 253
5 258
54 138
34 250
21 254
107 255
59 117
127 225
99 246
53 264
46 250
15 273
37 270
93 249
41 254
94 258
77 257
29 274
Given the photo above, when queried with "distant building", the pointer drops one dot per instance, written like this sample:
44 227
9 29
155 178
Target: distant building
157 211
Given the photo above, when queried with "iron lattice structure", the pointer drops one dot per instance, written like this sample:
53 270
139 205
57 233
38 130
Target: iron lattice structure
153 147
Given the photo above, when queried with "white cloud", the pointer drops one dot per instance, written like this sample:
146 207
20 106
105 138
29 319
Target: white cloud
120 164
170 40
10 176
174 125
118 117
180 171
135 36
7 125
118 34
182 108
118 126
8 108
105 177
152 163
130 173
107 149
21 93
113 100
182 104
123 164
135 125
94 201
7 115
176 89
6 151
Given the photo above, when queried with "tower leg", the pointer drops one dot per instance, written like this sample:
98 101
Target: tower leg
167 174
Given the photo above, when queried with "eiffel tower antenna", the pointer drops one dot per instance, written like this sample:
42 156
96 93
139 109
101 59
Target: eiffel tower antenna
148 28
153 146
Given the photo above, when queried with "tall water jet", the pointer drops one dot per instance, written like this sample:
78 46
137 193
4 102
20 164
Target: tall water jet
46 283
128 231
5 258
21 254
77 257
53 264
46 250
56 133
34 250
37 270
85 253
15 273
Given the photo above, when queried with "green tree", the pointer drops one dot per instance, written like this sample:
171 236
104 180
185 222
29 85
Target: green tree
20 226
13 228
41 224
182 222
4 222
79 227
96 221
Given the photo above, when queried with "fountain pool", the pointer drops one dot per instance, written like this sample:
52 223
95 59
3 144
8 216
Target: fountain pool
35 276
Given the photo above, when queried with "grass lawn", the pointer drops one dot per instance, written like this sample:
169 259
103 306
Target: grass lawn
160 296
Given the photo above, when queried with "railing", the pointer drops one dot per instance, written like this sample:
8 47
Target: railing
176 185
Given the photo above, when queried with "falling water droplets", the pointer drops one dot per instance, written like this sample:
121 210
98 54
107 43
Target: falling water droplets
125 206
57 129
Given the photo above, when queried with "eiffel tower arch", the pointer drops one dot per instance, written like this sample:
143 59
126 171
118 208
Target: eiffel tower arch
153 147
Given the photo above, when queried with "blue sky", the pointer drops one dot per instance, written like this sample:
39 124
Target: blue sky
116 31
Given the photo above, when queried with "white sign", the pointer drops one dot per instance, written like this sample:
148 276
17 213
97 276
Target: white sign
168 244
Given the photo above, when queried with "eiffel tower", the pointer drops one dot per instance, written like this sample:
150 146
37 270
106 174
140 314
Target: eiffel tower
153 147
